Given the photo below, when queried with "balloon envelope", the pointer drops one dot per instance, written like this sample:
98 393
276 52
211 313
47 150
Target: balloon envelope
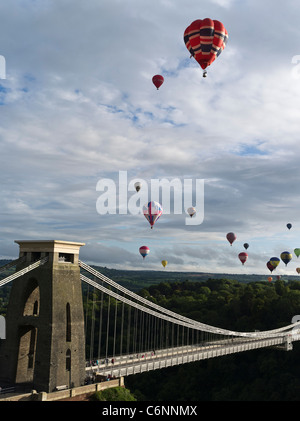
205 39
231 237
246 245
297 252
298 270
158 80
243 257
138 186
270 278
144 251
274 262
270 266
164 263
286 257
289 226
191 211
152 212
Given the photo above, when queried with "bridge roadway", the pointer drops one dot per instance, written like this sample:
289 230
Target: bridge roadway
126 365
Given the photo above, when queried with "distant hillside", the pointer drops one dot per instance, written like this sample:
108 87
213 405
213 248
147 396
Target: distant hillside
135 280
138 279
4 262
7 272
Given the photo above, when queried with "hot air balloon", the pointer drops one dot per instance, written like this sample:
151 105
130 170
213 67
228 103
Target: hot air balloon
205 39
231 237
246 245
158 80
243 257
144 251
298 270
138 186
289 226
270 278
152 212
164 263
270 266
274 262
286 256
191 211
297 252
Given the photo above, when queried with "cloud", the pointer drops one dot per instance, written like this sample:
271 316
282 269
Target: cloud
78 105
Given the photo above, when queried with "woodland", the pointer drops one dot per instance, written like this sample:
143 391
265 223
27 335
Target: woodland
259 375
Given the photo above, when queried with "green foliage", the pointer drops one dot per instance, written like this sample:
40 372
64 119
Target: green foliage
241 304
231 304
259 375
113 394
135 280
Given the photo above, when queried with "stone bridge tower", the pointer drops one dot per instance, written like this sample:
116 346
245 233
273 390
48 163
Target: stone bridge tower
45 339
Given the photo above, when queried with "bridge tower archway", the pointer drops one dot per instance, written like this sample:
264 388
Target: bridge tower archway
45 339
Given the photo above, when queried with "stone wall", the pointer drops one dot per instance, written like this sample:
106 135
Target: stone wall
63 394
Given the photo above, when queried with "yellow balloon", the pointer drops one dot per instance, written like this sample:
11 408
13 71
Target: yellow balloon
164 263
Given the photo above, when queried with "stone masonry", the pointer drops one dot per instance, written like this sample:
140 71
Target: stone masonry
45 341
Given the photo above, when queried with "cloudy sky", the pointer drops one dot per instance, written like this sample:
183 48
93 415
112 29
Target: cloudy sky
78 111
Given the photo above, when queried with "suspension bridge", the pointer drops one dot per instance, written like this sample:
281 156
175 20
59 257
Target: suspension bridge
123 333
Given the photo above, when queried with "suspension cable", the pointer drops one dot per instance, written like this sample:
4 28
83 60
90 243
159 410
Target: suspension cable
197 325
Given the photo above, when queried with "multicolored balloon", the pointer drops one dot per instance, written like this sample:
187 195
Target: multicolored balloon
144 251
286 257
231 237
270 266
205 39
152 211
164 263
274 262
243 257
158 80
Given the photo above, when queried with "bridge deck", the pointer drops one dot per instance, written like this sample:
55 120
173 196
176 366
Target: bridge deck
133 364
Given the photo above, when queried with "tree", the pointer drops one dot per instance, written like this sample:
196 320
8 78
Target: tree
113 394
